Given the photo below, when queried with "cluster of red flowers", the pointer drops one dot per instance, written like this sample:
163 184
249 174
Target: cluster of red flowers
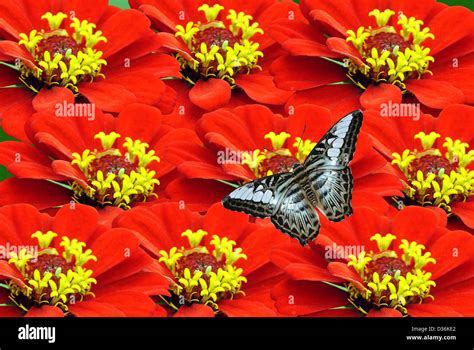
130 127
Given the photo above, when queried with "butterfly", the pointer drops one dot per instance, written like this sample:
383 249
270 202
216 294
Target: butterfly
324 182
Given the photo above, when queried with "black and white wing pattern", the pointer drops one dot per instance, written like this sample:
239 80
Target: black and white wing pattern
337 146
281 198
327 167
259 198
324 182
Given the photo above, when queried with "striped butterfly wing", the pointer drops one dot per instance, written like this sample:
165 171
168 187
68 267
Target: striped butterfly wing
327 167
295 215
259 198
281 198
323 182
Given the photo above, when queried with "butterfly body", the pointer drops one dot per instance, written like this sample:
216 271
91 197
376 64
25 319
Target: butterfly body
323 182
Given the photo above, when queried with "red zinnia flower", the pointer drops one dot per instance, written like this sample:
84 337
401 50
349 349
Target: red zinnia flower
217 263
434 157
81 50
222 49
378 266
102 162
385 48
250 142
71 265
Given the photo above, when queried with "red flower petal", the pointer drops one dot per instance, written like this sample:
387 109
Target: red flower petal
122 29
10 51
169 41
305 272
79 220
99 94
311 48
15 117
343 271
7 271
324 96
302 298
451 250
149 283
374 96
69 171
465 211
162 22
146 88
456 77
381 184
326 18
299 73
8 76
384 312
131 303
94 309
341 46
435 94
431 310
39 193
415 224
134 121
195 310
48 99
211 94
45 311
19 152
261 88
452 123
123 242
245 308
196 194
449 26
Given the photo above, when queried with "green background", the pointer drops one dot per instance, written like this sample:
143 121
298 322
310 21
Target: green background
124 4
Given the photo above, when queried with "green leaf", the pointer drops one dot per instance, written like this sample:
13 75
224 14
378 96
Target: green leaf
123 4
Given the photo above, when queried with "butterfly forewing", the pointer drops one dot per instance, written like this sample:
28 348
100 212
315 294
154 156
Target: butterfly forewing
324 181
337 146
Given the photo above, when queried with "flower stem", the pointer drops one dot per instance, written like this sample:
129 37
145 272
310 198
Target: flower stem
229 183
339 63
61 184
12 66
337 286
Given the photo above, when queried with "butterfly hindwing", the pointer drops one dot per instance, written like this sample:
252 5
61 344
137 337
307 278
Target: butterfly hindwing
295 216
333 192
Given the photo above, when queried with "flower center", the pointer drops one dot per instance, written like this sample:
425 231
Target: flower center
203 276
212 36
434 178
280 158
198 262
219 48
57 44
391 42
51 278
390 53
115 177
432 164
390 278
64 56
278 164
